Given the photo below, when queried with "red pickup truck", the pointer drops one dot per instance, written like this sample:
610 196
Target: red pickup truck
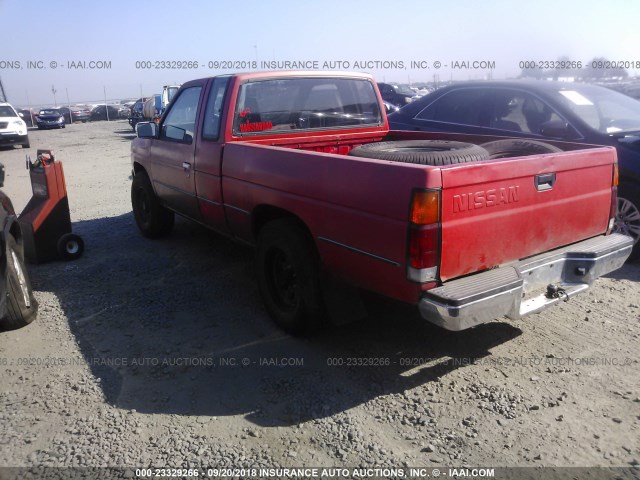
302 165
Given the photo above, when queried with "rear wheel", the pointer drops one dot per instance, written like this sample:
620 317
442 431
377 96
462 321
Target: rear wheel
152 218
26 144
288 277
22 307
425 152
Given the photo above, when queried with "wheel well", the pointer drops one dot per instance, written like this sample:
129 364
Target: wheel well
264 214
138 168
628 188
16 232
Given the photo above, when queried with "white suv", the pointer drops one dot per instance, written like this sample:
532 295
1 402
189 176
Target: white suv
12 128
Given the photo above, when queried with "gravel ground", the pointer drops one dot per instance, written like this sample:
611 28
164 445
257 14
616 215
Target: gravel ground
160 353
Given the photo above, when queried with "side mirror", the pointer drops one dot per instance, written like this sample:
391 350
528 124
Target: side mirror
21 114
147 130
555 129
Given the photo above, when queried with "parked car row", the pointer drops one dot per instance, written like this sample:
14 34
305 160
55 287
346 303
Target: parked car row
74 114
574 112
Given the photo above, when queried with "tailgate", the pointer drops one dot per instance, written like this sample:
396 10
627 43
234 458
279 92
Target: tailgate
500 211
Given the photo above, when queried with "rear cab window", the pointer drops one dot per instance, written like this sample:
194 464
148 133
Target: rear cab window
275 105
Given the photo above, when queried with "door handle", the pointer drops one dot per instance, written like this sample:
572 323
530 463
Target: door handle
545 181
186 165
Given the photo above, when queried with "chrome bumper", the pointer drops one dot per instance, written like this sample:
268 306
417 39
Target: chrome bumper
524 287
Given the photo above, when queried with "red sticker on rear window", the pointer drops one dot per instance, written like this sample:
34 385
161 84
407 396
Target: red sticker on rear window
255 127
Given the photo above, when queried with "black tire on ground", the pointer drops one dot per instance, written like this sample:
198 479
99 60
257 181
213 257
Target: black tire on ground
22 306
514 147
628 218
70 246
288 274
153 220
425 152
27 144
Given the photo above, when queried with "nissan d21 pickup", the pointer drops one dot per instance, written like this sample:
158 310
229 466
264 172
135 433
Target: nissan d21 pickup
302 165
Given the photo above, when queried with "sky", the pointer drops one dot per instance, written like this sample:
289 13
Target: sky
89 51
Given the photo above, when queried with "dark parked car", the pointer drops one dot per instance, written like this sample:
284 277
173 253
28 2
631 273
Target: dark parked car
27 117
542 110
50 118
398 95
18 307
100 113
75 114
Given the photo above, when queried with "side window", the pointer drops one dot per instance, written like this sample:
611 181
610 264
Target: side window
468 106
520 112
181 119
213 111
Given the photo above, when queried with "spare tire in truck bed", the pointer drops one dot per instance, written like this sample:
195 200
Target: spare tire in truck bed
514 147
425 152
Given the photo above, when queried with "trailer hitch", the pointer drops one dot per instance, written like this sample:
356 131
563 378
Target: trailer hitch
556 291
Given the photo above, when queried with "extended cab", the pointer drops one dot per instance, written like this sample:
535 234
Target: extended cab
284 161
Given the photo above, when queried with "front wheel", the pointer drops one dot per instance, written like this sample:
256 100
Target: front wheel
22 307
288 277
152 218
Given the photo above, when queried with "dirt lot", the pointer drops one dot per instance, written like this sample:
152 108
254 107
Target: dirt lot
160 353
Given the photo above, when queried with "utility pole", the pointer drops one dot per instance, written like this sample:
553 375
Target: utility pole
54 91
3 96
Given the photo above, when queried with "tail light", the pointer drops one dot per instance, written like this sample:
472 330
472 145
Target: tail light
613 210
424 236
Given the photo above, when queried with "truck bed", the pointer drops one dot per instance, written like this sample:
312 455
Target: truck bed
356 209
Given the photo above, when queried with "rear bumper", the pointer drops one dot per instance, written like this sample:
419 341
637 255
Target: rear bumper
520 289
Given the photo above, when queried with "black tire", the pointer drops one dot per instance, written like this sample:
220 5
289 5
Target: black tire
22 307
514 147
425 152
288 274
628 218
27 144
70 246
153 220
